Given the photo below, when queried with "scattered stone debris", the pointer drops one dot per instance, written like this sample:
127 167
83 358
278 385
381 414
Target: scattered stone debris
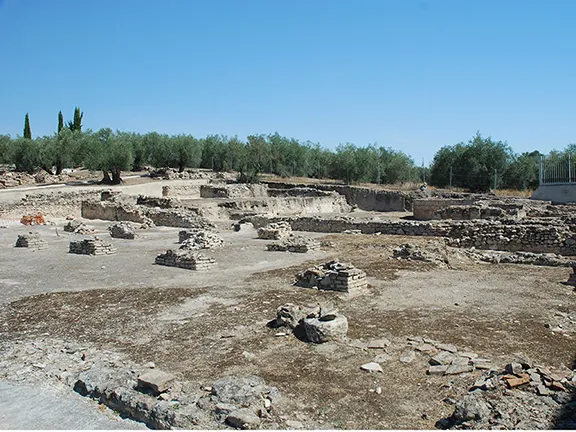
123 230
92 246
295 244
185 259
353 232
77 227
275 231
196 239
332 276
30 240
530 258
433 252
523 396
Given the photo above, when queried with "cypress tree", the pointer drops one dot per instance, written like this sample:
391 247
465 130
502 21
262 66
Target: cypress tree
78 119
27 131
60 121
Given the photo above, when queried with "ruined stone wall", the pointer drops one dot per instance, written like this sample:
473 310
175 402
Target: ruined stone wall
53 204
190 191
425 209
239 190
110 210
163 202
507 235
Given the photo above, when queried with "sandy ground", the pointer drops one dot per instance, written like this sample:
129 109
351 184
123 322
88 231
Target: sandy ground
202 326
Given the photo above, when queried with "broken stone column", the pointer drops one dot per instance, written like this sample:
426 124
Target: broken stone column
32 239
331 326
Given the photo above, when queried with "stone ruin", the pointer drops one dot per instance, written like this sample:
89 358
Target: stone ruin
275 231
332 276
295 244
32 239
572 278
311 324
91 246
123 230
185 259
77 227
195 239
434 252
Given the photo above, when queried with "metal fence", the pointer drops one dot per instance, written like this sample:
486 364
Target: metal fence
561 171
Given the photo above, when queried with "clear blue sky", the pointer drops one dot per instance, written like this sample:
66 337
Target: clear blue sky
410 74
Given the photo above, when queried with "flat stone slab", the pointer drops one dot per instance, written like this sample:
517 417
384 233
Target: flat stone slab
437 369
156 380
371 367
455 369
447 347
378 344
442 358
408 356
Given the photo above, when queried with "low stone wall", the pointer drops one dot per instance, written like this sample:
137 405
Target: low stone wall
294 244
506 235
426 209
93 246
50 204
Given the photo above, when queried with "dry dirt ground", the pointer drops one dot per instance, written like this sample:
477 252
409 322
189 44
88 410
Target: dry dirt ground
202 326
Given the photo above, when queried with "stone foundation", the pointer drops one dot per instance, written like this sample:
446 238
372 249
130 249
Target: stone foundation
93 246
186 260
31 240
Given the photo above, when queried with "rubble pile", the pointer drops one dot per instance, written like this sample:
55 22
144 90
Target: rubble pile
163 202
31 240
523 396
123 230
275 231
531 258
92 246
195 239
185 259
173 174
332 276
433 252
295 244
77 227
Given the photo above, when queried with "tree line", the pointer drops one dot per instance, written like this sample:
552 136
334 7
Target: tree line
114 151
478 165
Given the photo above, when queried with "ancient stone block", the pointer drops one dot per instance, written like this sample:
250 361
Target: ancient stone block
123 230
93 246
275 231
156 380
185 259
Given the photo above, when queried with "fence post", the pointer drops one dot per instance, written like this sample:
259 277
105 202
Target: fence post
540 171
